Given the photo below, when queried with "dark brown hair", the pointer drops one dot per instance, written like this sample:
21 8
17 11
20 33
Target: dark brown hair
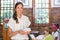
57 25
15 15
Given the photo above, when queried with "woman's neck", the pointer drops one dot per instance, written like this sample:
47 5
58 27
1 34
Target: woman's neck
47 34
19 16
54 31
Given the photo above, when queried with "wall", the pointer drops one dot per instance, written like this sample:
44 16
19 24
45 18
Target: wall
56 15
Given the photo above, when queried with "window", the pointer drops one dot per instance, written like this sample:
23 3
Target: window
6 9
42 11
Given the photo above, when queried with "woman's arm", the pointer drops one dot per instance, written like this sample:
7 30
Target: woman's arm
10 33
24 33
28 32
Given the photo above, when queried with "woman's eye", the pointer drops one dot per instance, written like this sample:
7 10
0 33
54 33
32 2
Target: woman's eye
18 7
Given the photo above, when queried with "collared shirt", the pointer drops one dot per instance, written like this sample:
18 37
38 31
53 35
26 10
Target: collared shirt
23 24
55 34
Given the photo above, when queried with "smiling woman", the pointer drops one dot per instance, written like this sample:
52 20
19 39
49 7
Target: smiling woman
7 12
18 25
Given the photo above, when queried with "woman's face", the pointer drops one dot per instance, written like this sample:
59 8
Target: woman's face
46 32
19 9
54 29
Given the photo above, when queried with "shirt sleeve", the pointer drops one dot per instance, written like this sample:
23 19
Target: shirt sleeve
10 23
28 22
56 34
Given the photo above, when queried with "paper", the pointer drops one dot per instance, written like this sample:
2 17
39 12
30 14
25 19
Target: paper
40 37
32 36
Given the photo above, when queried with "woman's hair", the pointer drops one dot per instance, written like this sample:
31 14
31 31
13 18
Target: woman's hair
48 29
15 15
57 25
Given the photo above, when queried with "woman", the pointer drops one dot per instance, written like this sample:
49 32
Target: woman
18 24
48 35
55 33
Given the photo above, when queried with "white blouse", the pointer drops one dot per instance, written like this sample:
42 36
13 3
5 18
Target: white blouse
23 24
55 34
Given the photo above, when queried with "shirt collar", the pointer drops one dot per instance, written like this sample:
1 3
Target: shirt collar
21 17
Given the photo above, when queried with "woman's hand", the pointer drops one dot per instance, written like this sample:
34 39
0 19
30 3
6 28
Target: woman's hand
27 32
23 32
10 33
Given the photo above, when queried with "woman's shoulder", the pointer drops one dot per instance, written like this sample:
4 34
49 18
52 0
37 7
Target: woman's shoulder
50 35
24 16
11 19
55 32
